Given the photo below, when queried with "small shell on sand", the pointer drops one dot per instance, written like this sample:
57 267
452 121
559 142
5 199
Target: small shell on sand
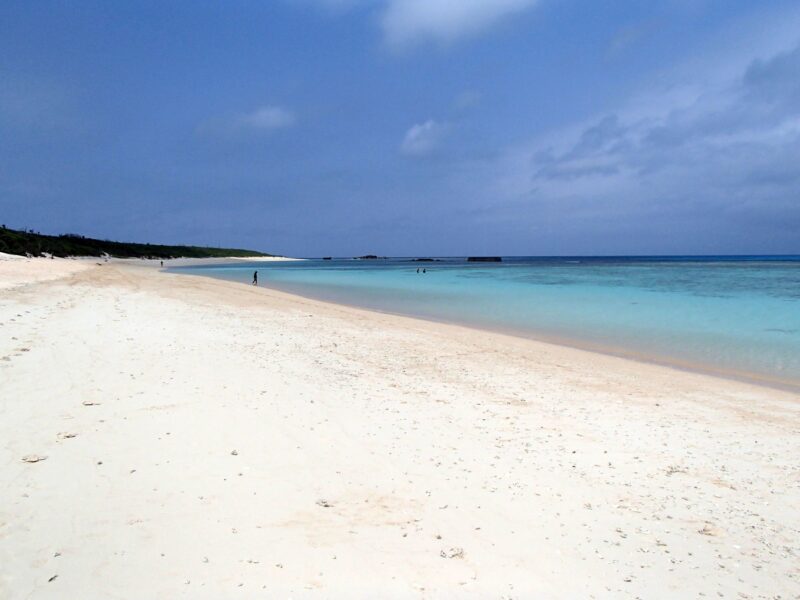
709 529
33 458
90 403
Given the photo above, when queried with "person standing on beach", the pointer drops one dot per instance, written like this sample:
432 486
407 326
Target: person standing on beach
255 277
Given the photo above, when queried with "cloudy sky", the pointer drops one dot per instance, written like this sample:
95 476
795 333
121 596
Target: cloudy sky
406 127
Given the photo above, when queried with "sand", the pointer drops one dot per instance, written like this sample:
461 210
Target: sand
169 436
19 271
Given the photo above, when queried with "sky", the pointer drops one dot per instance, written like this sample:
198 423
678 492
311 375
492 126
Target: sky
406 127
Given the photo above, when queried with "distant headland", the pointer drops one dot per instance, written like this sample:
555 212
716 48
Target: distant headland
35 244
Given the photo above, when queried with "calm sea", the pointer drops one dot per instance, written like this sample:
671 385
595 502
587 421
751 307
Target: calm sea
731 315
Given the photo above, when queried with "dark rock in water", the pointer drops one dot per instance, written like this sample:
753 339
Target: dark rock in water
425 260
326 258
369 257
484 259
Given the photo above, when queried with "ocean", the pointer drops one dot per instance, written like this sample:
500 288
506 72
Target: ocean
735 316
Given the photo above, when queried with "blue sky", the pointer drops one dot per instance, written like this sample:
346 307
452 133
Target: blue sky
406 127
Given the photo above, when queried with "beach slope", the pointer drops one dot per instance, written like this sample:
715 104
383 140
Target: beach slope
169 436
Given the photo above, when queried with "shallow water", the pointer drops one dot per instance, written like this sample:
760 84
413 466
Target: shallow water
740 316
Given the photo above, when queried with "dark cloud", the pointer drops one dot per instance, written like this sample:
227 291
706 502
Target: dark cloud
725 163
776 80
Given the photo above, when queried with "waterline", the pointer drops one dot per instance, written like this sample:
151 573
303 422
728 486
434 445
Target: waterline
738 316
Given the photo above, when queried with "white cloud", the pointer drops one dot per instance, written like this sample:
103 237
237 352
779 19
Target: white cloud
467 99
408 22
262 120
267 118
423 138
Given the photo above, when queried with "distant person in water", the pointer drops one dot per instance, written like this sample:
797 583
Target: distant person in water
417 269
255 277
162 263
424 270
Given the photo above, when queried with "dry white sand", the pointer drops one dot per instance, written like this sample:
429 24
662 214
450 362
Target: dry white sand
19 271
204 439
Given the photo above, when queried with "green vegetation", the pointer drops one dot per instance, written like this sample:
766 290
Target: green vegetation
28 242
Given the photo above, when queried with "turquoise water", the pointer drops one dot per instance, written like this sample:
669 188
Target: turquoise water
739 316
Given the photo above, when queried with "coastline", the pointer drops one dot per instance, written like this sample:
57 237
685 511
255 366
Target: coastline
686 365
242 440
187 262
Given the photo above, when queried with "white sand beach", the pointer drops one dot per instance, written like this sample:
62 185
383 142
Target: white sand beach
168 436
21 271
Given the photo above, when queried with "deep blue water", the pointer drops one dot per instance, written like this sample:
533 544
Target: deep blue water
738 315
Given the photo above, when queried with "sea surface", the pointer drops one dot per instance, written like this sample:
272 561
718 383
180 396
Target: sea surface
736 316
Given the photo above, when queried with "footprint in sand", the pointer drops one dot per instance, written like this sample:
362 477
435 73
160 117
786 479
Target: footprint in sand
33 458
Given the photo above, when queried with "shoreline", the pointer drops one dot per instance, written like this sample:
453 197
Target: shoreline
554 342
187 262
234 441
687 366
